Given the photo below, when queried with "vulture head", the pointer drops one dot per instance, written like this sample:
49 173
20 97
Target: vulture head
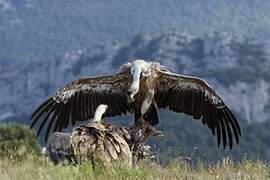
140 71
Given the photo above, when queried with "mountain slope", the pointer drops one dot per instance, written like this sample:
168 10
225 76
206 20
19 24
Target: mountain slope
35 30
237 69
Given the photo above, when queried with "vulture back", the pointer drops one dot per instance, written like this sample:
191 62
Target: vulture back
101 142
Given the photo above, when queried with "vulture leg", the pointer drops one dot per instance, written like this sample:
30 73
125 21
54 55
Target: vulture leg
151 115
137 116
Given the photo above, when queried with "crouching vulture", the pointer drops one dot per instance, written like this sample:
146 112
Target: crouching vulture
101 142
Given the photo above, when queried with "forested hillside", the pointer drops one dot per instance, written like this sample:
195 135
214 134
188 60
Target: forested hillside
35 30
45 44
237 69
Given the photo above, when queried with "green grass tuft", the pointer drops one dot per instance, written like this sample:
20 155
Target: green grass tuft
34 167
17 141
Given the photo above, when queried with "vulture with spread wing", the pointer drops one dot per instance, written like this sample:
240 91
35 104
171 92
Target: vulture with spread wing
141 88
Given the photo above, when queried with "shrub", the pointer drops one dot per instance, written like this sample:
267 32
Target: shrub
17 141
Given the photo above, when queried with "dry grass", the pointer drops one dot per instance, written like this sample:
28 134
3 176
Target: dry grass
41 168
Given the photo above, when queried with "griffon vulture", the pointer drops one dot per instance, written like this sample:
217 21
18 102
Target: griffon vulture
140 88
101 141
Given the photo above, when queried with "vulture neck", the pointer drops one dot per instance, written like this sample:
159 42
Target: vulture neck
101 109
135 86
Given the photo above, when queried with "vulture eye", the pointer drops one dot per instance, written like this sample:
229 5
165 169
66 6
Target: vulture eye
146 73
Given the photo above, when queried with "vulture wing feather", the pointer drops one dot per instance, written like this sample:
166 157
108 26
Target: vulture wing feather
78 100
199 100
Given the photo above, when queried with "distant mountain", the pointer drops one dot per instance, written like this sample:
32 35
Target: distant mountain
35 30
45 44
237 68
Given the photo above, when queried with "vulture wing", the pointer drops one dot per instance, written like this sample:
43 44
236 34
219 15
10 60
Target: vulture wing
78 101
193 96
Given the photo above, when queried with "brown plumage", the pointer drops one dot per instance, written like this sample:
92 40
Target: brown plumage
101 142
78 100
141 87
193 96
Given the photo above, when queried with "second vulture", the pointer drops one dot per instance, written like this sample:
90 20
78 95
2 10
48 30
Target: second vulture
140 88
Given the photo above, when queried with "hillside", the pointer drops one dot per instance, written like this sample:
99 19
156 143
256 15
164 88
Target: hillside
67 39
238 69
42 30
46 44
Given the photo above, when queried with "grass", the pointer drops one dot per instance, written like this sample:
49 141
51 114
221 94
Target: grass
42 168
